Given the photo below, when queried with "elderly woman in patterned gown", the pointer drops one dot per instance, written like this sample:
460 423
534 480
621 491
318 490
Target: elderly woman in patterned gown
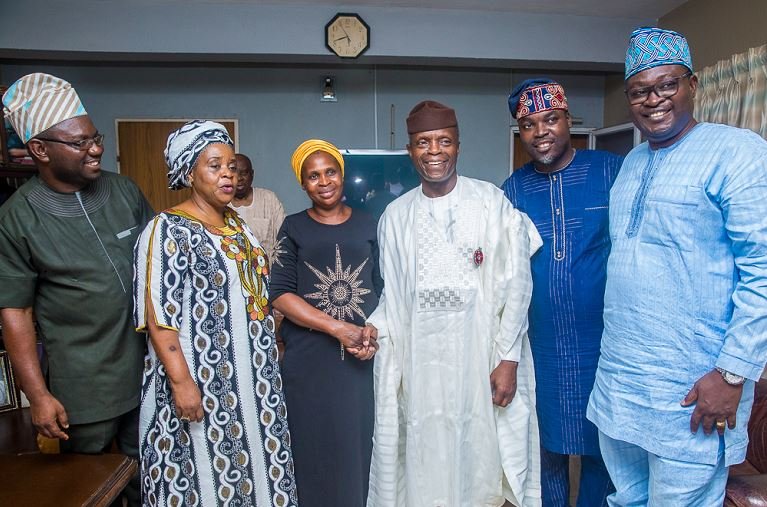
326 281
213 427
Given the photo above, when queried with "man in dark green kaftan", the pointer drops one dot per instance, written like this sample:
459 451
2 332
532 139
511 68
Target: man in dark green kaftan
66 262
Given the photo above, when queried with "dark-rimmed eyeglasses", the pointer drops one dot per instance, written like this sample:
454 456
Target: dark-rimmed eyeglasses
82 144
668 87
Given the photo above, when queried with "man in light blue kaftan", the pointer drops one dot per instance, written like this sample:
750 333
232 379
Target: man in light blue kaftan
565 193
685 335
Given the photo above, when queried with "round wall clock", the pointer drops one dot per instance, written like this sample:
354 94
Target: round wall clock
347 35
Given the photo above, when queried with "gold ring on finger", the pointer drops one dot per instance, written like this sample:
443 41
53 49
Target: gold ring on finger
721 425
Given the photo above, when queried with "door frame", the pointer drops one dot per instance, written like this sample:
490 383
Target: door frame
623 127
235 121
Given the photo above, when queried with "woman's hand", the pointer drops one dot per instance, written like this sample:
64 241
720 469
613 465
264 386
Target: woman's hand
369 344
186 394
349 335
188 400
356 340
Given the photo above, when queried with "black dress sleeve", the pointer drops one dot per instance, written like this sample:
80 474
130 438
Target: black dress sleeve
284 277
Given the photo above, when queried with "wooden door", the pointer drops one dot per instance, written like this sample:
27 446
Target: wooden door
578 141
140 157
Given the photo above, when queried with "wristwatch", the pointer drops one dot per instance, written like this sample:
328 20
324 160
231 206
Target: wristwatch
731 378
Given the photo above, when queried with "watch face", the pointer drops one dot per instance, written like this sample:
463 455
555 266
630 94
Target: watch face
731 378
347 35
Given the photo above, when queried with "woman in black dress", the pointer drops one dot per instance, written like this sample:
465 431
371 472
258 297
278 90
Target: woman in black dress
325 280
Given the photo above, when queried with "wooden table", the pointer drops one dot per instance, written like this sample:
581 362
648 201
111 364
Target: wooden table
17 435
64 480
29 478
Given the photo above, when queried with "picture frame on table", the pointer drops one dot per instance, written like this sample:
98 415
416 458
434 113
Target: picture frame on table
9 392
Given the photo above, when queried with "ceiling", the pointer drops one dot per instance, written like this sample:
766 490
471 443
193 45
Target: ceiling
645 9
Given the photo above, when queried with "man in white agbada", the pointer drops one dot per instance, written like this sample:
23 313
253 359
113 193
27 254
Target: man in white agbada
455 422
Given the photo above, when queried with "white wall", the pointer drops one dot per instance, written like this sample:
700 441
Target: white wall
252 31
279 107
269 61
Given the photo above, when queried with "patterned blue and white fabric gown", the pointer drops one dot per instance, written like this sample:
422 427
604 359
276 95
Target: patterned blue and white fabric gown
210 285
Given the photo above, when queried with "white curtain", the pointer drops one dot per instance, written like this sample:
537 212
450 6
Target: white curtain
734 91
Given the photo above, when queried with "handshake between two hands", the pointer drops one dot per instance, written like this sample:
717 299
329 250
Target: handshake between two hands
361 342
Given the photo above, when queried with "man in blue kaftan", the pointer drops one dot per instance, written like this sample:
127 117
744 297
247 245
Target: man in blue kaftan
685 333
565 194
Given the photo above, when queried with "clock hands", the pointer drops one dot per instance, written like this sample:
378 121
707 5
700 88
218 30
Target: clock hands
346 36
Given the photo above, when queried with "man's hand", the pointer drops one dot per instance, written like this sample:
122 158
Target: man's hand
49 417
503 382
188 400
715 401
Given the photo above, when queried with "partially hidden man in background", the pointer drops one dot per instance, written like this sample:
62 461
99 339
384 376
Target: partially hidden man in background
685 335
259 207
66 250
565 193
455 419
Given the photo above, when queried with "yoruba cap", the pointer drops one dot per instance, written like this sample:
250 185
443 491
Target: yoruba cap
651 47
37 102
430 115
536 95
307 148
185 145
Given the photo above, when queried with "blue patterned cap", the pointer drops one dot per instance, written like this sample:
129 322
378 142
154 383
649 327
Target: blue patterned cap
651 47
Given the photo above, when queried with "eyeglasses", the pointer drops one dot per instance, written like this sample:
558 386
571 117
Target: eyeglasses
665 89
82 144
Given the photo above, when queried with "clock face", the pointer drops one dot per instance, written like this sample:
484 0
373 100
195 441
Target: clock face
347 35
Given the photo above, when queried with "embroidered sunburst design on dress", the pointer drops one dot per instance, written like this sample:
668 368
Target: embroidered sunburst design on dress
279 249
339 292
